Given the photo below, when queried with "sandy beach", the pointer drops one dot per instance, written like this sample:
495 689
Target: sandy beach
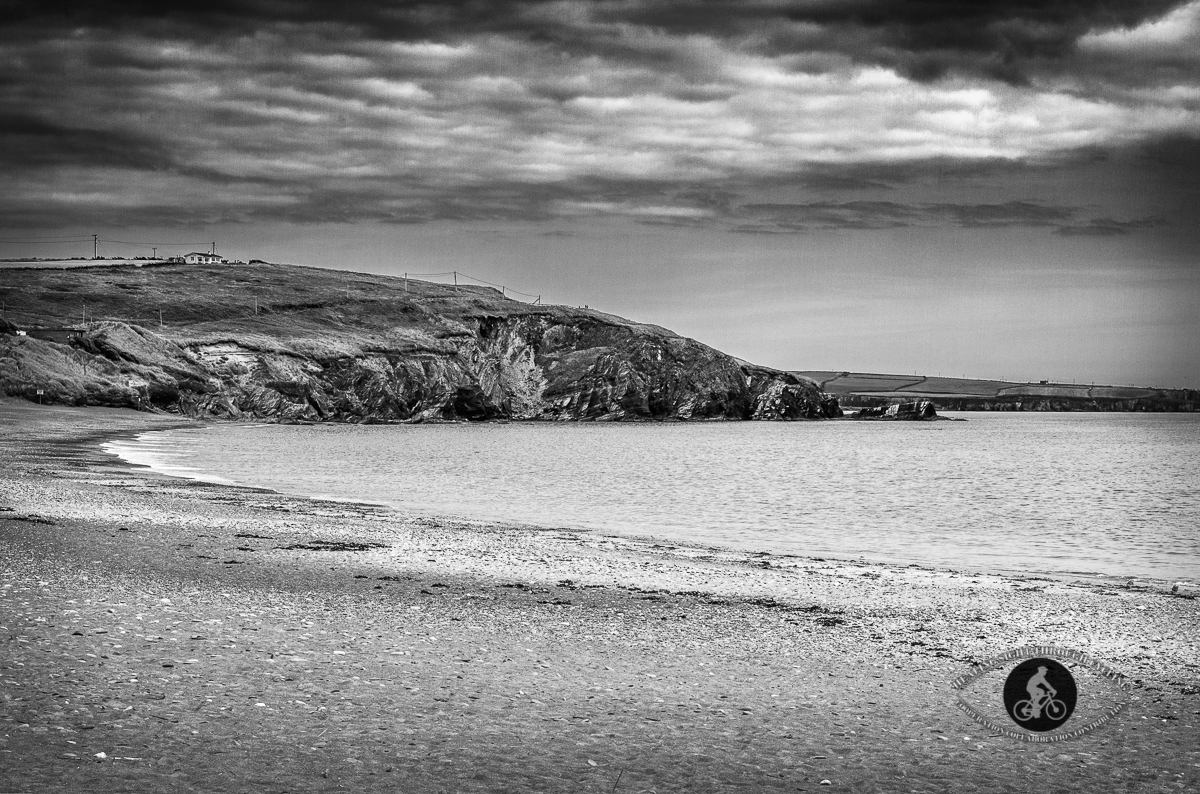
161 634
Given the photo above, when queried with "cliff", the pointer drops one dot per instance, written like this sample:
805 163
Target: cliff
282 342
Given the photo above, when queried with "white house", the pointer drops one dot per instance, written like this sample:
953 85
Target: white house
199 258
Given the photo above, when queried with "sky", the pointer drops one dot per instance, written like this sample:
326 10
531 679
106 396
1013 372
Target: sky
1001 189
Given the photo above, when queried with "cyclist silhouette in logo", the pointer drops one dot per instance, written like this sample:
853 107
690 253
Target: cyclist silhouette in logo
1048 705
1040 690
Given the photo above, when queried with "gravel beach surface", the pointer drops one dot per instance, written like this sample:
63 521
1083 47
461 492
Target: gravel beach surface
162 634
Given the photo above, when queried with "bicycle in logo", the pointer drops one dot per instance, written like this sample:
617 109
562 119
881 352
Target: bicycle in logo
1051 707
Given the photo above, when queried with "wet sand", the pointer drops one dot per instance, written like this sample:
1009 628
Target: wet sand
210 638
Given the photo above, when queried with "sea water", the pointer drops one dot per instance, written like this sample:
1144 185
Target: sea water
1112 494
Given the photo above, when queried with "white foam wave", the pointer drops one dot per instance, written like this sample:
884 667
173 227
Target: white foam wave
166 452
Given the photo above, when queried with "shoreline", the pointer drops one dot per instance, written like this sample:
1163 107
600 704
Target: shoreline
461 655
1098 577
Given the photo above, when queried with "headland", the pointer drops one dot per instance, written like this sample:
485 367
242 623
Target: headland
286 343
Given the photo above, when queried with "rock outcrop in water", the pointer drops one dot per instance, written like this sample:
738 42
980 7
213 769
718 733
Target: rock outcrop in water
302 344
916 410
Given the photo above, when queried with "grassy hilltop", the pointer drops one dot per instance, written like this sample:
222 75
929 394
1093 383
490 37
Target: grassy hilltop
297 343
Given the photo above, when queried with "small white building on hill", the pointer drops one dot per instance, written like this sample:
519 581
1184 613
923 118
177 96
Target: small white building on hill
201 258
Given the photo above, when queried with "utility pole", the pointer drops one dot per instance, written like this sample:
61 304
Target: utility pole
456 281
95 246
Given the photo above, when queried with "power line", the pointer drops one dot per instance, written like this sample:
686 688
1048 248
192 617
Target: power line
43 242
89 238
13 241
504 290
501 287
133 242
68 237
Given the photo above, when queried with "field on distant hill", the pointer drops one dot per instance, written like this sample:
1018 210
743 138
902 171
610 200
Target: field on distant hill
965 394
59 264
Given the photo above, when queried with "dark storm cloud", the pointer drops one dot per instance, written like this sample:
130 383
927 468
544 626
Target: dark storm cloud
27 142
661 112
814 216
1106 227
924 39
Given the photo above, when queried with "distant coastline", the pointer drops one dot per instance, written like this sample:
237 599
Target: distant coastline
870 390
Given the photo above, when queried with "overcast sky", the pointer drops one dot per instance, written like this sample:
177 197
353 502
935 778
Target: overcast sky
989 189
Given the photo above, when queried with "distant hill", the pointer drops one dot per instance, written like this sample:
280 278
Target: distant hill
59 264
282 342
861 389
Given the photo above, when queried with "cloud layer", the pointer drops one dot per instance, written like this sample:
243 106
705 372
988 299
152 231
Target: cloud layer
663 112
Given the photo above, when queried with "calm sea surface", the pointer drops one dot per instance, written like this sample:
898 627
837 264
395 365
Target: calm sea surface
1088 493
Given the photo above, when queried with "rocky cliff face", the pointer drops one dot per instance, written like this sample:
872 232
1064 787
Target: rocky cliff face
333 346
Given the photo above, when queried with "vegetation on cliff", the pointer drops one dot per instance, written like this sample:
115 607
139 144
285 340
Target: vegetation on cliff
293 343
